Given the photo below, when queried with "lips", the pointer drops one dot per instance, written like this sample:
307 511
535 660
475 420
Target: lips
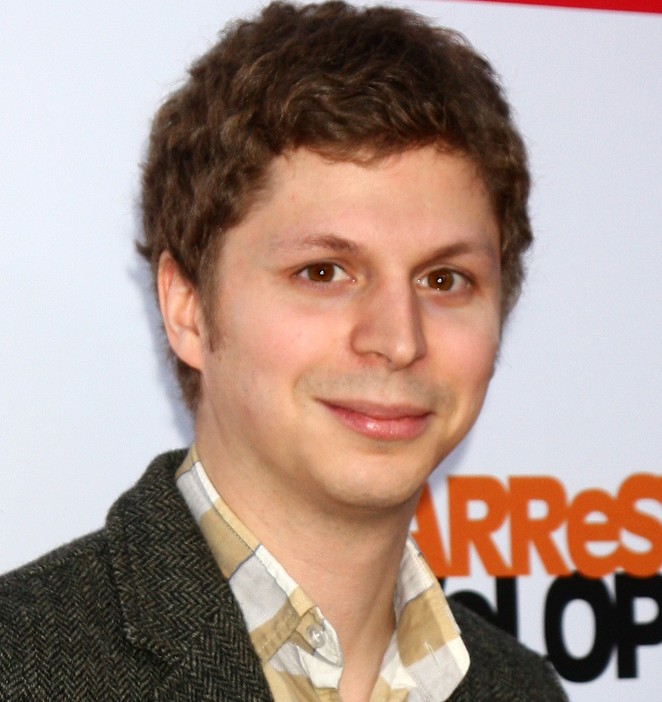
398 422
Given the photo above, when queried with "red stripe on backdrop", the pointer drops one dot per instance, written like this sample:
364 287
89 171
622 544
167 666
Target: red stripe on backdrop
653 6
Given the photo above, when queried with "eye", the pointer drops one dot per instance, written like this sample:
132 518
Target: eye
323 272
444 280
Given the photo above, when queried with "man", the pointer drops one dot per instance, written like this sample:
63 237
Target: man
335 210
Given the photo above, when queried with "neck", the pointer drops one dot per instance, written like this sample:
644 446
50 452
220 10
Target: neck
347 563
349 569
352 576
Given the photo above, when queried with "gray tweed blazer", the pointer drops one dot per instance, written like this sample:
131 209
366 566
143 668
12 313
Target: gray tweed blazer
138 611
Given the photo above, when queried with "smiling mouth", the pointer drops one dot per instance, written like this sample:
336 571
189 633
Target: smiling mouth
381 422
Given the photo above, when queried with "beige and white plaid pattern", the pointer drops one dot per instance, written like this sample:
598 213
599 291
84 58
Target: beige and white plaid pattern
299 649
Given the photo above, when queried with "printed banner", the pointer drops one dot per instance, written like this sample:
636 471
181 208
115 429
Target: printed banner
599 549
653 6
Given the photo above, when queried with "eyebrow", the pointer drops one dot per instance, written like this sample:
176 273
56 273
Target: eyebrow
333 242
461 248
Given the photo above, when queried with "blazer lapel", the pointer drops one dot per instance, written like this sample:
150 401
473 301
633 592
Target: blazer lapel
174 600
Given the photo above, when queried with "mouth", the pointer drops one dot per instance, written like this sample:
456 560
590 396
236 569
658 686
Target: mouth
383 422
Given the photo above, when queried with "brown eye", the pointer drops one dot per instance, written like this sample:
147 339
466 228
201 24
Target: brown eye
323 272
320 272
440 280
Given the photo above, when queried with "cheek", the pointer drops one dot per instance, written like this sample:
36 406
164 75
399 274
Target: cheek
470 353
275 341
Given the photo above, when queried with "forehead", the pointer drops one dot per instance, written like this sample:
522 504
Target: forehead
424 195
316 168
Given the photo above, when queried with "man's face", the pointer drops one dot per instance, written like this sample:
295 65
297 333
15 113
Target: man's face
357 312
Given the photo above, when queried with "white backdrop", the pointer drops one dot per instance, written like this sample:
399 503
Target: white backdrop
87 400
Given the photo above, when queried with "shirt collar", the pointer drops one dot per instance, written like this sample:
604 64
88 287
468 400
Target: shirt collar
286 627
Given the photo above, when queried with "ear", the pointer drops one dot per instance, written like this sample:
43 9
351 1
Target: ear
181 312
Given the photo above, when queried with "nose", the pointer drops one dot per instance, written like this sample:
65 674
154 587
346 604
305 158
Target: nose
389 325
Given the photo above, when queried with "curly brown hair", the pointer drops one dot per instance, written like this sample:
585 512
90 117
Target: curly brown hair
350 83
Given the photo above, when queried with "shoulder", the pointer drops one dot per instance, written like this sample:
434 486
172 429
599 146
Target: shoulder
62 621
502 669
79 572
51 612
57 581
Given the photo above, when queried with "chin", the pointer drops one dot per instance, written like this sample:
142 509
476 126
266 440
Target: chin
373 492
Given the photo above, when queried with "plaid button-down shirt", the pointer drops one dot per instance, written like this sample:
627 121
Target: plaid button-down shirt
299 649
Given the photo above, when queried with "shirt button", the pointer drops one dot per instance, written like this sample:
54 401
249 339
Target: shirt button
316 636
